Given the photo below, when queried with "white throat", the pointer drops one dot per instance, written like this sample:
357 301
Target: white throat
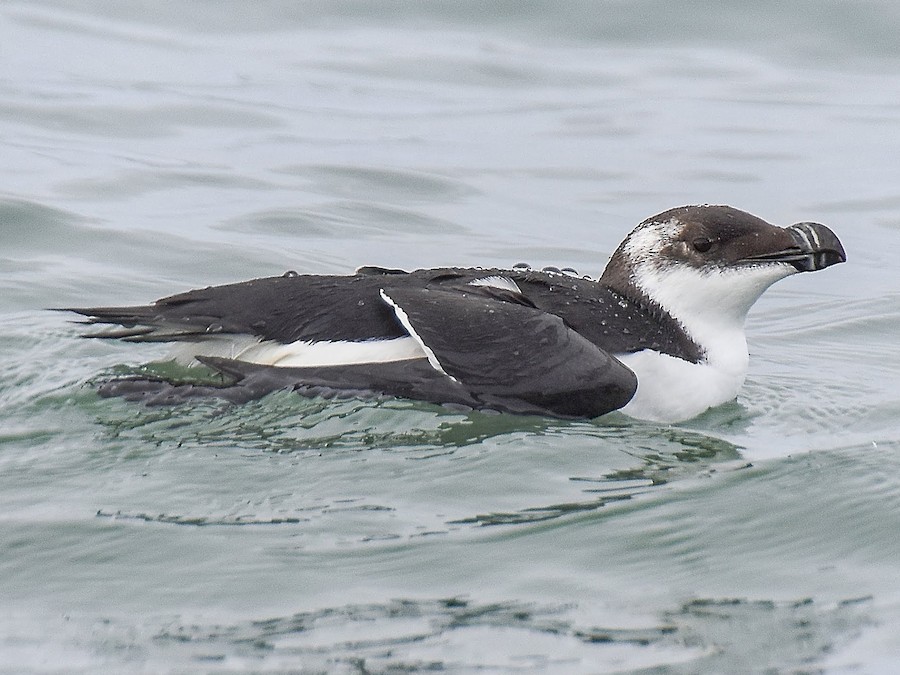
711 306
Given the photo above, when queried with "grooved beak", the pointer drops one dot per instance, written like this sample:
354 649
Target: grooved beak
815 248
820 245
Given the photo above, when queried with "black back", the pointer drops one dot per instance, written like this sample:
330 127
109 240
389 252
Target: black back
325 307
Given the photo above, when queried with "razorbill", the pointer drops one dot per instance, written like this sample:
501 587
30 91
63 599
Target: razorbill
659 336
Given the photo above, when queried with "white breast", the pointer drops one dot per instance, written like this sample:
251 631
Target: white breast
711 306
673 390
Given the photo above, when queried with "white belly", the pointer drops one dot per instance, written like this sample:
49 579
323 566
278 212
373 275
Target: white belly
673 390
301 354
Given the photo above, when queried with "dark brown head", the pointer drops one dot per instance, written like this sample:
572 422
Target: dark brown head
708 259
725 237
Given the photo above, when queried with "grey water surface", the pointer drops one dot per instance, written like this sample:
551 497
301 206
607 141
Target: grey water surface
149 148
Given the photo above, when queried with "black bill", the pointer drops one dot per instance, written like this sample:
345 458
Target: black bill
815 247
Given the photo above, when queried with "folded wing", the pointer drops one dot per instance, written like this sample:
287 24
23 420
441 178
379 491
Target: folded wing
502 351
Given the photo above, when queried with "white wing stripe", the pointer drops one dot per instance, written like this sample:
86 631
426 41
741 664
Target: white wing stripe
404 319
503 283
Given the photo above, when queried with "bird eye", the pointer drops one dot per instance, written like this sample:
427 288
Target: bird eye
702 244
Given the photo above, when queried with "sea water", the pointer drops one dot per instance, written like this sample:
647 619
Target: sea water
146 149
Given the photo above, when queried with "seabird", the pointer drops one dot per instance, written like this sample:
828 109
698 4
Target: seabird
659 336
